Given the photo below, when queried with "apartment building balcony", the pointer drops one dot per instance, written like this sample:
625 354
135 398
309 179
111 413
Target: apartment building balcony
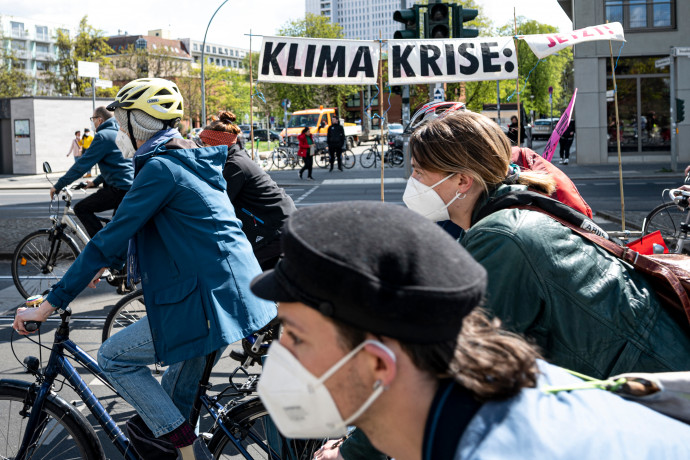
43 38
20 34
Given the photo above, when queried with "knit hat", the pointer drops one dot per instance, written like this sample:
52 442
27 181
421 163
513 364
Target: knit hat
144 126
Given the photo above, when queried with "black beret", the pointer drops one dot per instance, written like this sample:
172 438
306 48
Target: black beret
377 267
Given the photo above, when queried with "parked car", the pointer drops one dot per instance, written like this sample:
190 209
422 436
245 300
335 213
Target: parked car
261 135
542 127
394 129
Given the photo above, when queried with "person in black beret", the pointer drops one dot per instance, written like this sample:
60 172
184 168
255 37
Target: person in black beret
384 333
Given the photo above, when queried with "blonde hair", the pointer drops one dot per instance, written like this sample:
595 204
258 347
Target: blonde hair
472 144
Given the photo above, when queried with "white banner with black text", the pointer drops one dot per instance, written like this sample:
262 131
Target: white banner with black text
310 61
452 60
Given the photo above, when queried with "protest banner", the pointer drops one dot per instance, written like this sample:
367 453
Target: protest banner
309 61
560 128
543 45
446 61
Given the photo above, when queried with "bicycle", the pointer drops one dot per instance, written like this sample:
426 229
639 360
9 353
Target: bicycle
49 426
285 155
672 219
393 156
322 158
42 257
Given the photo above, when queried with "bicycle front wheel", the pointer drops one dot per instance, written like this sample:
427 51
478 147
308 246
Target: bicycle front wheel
368 158
63 432
255 432
667 218
322 159
349 159
128 310
395 158
40 260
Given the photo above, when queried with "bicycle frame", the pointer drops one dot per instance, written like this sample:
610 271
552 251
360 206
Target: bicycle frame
58 364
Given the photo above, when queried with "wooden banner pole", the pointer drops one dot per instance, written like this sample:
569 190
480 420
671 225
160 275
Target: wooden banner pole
618 137
517 81
381 108
251 95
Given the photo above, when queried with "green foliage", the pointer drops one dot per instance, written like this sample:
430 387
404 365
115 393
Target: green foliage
225 90
14 81
89 44
305 96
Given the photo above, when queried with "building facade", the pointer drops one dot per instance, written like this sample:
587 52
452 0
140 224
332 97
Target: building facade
652 29
32 43
221 55
361 19
151 55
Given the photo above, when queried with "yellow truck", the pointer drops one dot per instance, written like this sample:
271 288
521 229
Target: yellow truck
318 121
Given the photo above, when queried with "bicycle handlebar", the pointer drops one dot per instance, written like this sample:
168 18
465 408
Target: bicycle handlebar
678 195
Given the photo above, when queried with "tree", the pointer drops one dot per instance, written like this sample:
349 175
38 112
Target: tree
89 44
132 63
14 81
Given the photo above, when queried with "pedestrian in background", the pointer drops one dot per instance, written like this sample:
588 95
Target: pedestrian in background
513 131
335 137
566 142
306 151
259 203
75 146
86 141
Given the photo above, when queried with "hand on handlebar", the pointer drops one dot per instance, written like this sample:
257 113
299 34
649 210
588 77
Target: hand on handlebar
52 193
97 279
329 451
90 184
23 315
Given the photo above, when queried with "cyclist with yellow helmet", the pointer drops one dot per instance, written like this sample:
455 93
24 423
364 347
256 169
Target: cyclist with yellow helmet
195 264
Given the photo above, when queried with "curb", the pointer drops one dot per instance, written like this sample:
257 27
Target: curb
617 220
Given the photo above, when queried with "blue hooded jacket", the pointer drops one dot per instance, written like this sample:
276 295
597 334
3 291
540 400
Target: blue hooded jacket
194 260
116 170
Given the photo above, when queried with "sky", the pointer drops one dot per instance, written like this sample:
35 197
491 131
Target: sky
231 23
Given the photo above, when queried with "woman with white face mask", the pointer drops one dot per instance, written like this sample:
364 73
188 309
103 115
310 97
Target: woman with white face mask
581 305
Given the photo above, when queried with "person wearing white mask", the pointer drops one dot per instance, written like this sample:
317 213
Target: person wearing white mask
584 307
397 347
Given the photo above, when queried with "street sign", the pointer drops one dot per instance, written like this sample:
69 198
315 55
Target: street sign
663 62
681 51
439 94
87 69
104 83
609 95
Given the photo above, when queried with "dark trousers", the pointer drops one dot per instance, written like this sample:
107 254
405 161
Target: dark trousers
268 254
333 151
104 199
565 148
308 165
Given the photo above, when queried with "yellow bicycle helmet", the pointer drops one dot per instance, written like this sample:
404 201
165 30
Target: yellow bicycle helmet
157 97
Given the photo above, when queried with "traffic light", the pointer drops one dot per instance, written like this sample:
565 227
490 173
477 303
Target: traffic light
460 16
437 21
410 18
680 110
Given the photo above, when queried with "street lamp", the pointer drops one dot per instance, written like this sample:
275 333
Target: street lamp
203 79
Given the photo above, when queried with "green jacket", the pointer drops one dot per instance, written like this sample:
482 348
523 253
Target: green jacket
586 310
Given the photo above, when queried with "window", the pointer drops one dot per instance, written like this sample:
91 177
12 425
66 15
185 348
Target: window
214 49
17 29
140 44
640 15
196 47
42 48
42 33
223 62
41 66
208 49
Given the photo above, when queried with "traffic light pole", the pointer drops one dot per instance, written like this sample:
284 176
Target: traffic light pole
674 114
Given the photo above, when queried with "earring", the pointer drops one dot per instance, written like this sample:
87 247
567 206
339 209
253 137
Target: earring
460 195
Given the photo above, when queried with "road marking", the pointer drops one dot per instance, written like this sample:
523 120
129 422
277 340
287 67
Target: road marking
306 194
389 180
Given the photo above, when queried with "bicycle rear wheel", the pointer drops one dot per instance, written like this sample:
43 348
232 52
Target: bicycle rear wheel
349 159
322 159
667 218
128 310
37 263
254 431
280 158
63 432
368 158
395 158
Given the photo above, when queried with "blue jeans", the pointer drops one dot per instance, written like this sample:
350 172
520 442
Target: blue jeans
124 358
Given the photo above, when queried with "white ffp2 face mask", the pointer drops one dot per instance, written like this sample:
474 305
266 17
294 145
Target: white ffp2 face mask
424 200
299 403
124 144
